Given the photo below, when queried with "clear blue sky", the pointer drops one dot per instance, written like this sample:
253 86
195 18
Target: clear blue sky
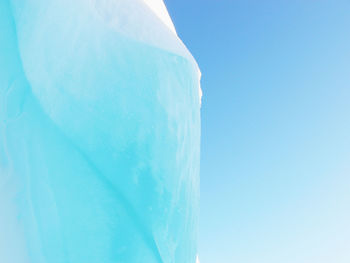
275 171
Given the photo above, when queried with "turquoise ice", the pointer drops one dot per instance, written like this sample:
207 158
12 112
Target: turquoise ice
99 134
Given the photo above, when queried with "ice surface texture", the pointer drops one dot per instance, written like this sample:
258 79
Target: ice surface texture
99 134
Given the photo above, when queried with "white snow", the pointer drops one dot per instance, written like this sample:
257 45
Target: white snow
159 8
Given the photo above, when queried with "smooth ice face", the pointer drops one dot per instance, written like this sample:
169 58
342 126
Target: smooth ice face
99 134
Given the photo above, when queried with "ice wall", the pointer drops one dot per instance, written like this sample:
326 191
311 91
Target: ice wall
99 134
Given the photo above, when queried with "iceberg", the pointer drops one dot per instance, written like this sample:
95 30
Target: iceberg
99 134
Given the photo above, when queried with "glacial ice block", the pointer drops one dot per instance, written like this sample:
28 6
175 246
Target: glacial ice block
99 134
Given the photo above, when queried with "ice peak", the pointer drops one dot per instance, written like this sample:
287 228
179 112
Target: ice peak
159 8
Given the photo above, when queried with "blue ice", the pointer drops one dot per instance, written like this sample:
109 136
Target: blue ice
99 134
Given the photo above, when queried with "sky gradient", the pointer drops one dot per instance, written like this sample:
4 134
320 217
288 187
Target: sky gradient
275 166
